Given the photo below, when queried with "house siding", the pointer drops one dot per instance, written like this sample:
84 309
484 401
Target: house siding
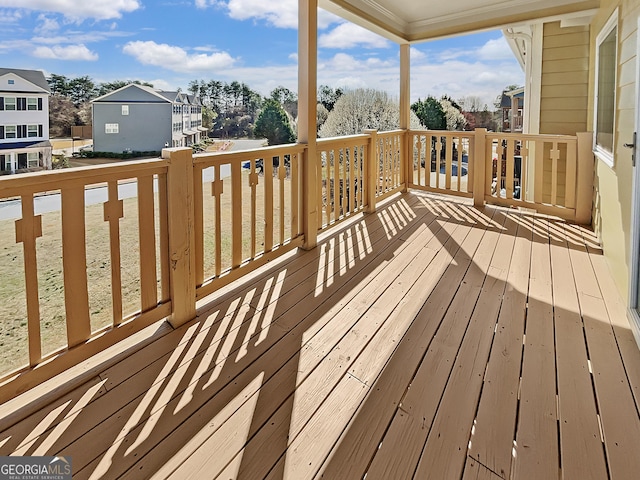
146 128
613 185
565 78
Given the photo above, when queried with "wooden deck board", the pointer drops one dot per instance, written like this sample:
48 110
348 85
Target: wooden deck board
445 452
402 445
613 393
536 446
581 449
367 427
399 348
495 423
290 318
325 377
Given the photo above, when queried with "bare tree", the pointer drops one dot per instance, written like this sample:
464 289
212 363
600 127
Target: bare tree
471 103
360 109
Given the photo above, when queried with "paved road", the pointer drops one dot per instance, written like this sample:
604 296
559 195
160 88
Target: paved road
11 210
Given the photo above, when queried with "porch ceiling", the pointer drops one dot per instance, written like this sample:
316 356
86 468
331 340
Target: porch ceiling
416 20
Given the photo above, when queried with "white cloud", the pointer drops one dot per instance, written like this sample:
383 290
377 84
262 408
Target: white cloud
8 16
493 50
349 35
69 52
460 78
47 25
416 54
79 37
281 14
176 58
75 10
162 84
497 49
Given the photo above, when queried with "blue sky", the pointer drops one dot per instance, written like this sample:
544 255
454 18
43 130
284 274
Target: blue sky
172 42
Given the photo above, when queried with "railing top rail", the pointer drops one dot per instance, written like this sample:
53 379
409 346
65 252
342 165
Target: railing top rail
55 179
391 133
221 158
531 136
347 139
455 133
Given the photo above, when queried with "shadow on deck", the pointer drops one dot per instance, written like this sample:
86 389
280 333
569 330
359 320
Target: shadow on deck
430 340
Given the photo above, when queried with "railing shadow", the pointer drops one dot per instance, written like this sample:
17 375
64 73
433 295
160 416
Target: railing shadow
222 395
152 404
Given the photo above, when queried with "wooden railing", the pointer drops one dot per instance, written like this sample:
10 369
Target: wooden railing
255 220
389 154
83 282
537 171
342 189
442 161
93 272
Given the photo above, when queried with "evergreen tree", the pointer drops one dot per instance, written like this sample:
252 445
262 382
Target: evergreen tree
273 124
430 113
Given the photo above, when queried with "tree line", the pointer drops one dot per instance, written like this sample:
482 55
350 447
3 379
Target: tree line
230 109
234 109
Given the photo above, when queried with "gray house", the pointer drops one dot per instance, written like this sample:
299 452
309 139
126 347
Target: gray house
140 118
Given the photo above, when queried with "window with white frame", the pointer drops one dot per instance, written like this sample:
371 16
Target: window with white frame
9 103
605 101
111 128
125 109
33 159
32 103
10 131
32 130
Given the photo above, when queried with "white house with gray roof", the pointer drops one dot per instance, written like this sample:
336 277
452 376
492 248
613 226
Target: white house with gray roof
24 121
141 118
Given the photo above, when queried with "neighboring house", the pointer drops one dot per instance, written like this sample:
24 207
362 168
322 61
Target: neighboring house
512 106
24 121
140 118
582 73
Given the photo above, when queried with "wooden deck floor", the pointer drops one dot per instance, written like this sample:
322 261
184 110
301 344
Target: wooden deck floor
428 341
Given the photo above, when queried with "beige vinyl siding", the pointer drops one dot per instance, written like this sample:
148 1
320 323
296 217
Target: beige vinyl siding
613 185
565 77
564 97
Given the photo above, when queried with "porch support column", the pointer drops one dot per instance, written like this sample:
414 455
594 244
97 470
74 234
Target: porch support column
307 120
405 111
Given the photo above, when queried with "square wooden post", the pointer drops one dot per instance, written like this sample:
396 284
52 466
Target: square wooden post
181 223
371 170
405 114
584 182
307 120
479 166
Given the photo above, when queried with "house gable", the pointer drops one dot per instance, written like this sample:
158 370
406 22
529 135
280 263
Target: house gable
132 94
23 81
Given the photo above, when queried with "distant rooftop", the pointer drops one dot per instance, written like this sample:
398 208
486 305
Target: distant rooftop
34 76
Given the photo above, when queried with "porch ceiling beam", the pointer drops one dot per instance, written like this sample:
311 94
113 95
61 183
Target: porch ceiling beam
372 15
